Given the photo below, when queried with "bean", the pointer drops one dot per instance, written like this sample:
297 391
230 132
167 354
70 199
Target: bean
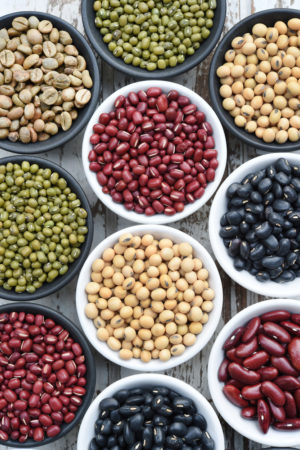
241 374
277 332
293 351
246 350
252 392
234 395
271 346
257 360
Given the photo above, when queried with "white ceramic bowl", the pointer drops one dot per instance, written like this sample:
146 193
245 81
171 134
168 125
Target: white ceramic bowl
231 413
219 136
159 231
219 207
86 431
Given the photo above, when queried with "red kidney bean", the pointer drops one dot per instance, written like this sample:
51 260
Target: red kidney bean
277 332
263 414
273 391
297 399
257 360
290 405
242 374
246 350
223 370
249 412
288 424
278 412
252 392
251 329
231 355
234 395
283 365
291 327
294 352
287 383
270 345
234 339
275 316
295 318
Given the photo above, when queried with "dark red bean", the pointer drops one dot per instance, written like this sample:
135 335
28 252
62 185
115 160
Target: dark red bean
251 329
252 392
295 318
257 360
288 424
223 370
294 352
275 316
246 350
242 374
290 405
268 373
277 332
291 327
53 430
234 395
283 365
234 339
270 345
287 383
231 355
263 414
273 391
249 412
278 412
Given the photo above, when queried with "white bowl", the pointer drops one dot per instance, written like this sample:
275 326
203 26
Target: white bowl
159 231
231 413
218 134
86 431
219 207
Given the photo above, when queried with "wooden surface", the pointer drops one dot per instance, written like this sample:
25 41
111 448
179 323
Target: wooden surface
69 156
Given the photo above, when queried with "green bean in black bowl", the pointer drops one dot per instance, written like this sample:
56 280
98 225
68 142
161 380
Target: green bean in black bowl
46 227
151 39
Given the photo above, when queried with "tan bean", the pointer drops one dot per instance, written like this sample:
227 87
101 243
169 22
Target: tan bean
49 96
61 81
25 96
49 49
50 63
31 61
65 37
66 121
86 79
5 122
7 58
5 102
25 135
20 23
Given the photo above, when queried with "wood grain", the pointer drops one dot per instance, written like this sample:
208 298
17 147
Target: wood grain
235 297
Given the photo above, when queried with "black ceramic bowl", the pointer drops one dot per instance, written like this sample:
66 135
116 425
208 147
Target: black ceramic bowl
78 336
88 17
268 17
59 282
85 113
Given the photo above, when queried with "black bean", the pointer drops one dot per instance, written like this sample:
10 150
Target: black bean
272 262
239 263
247 179
250 219
294 217
227 242
276 219
135 400
118 427
174 442
232 190
147 437
271 171
160 420
271 242
251 236
137 446
187 419
268 199
200 421
178 429
262 276
229 231
289 194
94 445
286 276
254 208
128 434
295 183
234 247
257 252
136 421
158 436
275 273
297 202
115 447
207 442
264 185
281 205
160 390
294 244
291 233
244 249
127 410
245 190
136 391
291 259
256 197
182 404
233 218
115 416
282 178
224 221
257 177
193 434
157 447
148 412
244 227
165 410
173 394
109 403
283 165
122 395
158 401
237 202
98 425
111 442
104 414
106 426
287 225
101 440
277 190
121 441
263 230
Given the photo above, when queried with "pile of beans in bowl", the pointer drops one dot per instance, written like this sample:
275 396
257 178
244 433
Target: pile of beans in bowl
154 418
154 152
42 377
261 227
261 370
148 298
260 81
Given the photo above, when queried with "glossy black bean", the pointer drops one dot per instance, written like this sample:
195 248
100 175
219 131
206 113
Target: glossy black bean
268 199
282 178
227 242
173 394
98 425
264 185
297 202
254 208
244 227
160 390
275 273
232 190
128 410
257 177
229 231
187 419
237 202
294 217
183 404
247 179
250 219
276 219
263 230
93 445
115 447
234 247
200 421
158 401
294 244
244 249
207 442
103 414
287 276
121 441
109 404
158 436
291 233
272 262
122 395
257 252
262 276
271 242
135 400
193 434
115 416
106 426
291 259
161 421
165 410
233 218
223 220
245 190
128 434
111 442
101 440
118 427
271 171
287 225
178 429
295 183
136 391
148 412
137 446
239 263
256 197
289 194
277 190
174 442
136 421
281 205
251 237
147 437
283 165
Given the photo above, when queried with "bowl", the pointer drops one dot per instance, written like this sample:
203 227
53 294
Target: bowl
76 334
219 207
218 135
59 282
93 33
268 17
231 413
209 328
86 431
83 114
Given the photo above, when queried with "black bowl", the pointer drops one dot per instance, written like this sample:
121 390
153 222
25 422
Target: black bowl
78 336
85 113
59 282
268 17
88 17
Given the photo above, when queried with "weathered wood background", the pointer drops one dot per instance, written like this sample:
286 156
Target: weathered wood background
69 156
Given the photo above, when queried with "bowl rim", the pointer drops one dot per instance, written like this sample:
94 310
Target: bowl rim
190 208
223 115
62 136
202 339
62 280
91 369
215 386
244 278
102 50
154 379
